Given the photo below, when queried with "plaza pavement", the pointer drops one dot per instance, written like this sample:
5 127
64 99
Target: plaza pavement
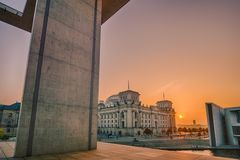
107 151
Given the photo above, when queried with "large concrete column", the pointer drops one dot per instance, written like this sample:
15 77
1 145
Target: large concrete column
59 107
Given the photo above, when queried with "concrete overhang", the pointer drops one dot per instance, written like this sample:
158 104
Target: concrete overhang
110 7
24 21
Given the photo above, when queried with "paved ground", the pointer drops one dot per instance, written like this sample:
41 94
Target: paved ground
107 151
6 149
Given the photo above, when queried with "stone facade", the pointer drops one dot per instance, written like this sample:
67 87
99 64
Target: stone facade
124 115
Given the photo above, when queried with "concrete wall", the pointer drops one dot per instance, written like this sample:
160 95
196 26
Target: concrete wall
231 120
68 80
216 124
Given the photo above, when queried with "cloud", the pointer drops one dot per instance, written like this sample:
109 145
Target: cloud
172 85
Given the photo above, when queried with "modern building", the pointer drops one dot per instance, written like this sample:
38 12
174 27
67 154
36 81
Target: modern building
9 115
123 114
223 125
60 97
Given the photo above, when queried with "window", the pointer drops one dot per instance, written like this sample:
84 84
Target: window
123 124
238 116
122 114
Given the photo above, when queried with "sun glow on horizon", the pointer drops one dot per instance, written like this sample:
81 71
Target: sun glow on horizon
180 116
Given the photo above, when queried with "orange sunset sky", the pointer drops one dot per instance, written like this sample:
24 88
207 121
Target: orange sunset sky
188 49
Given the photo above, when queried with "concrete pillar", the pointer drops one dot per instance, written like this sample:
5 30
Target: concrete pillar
229 131
59 106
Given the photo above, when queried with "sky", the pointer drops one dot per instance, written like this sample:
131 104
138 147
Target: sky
190 50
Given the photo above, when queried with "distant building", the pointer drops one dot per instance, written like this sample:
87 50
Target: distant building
9 115
223 125
193 125
123 114
194 122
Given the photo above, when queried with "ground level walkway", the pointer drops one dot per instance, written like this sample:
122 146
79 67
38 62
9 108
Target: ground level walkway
107 151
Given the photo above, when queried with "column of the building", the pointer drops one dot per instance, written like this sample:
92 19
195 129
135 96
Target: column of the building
61 79
139 119
133 119
174 121
125 122
129 118
152 120
118 113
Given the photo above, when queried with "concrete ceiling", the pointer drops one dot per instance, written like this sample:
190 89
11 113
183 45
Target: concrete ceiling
109 7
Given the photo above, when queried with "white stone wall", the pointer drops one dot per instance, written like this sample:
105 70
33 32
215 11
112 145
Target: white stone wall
156 120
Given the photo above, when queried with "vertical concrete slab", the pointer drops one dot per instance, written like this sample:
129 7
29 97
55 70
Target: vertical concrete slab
230 120
216 124
59 106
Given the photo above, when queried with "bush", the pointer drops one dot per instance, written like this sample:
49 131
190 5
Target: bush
5 137
1 133
147 131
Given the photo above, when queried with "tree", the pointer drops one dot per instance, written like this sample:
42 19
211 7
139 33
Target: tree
175 129
180 130
205 131
169 131
199 135
194 129
147 131
190 131
138 133
184 129
1 133
163 131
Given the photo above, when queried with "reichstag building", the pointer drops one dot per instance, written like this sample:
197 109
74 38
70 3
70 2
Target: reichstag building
124 115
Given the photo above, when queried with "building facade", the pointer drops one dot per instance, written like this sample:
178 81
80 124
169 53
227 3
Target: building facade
9 115
124 115
223 125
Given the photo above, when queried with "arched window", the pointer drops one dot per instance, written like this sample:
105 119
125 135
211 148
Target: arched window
123 125
122 114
